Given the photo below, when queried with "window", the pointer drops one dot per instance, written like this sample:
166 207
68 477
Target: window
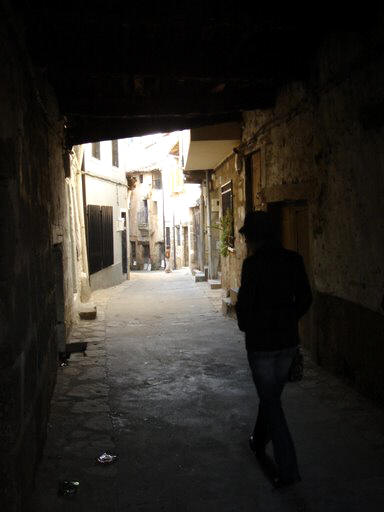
99 237
146 253
168 237
133 250
178 239
227 209
142 214
141 178
115 153
96 150
156 181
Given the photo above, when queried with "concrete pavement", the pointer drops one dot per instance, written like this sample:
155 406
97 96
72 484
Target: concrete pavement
165 384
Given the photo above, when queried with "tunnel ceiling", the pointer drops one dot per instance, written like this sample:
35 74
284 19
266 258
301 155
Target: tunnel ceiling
125 68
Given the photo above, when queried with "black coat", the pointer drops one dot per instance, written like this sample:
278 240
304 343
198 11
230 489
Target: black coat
274 294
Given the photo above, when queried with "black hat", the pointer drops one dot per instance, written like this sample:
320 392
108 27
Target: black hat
258 225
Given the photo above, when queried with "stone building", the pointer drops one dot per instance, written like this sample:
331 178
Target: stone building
160 203
309 161
146 218
106 197
209 161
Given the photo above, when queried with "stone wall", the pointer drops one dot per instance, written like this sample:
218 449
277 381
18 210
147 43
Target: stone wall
34 258
323 144
231 264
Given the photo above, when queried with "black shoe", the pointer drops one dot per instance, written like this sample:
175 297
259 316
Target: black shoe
258 450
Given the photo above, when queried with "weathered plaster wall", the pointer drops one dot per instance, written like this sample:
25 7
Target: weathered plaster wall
323 142
106 185
33 217
79 255
231 264
104 193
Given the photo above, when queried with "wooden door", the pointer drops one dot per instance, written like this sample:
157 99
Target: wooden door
293 227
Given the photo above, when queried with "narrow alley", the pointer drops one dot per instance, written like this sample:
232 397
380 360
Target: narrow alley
164 170
165 385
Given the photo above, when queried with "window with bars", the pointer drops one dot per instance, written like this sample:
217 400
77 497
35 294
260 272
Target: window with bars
227 209
96 150
115 153
99 237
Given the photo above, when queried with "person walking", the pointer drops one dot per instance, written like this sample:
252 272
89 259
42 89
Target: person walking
274 294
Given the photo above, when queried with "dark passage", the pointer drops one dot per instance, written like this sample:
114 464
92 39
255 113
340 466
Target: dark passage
285 112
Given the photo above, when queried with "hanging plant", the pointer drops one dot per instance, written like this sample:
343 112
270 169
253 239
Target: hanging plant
226 237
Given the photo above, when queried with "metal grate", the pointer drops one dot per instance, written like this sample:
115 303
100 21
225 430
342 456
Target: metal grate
227 206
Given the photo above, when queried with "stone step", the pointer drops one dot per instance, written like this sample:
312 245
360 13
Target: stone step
233 292
214 284
76 346
200 277
87 311
227 307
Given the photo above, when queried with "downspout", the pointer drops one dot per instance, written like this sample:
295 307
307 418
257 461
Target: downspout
128 233
209 221
202 231
162 188
174 239
85 293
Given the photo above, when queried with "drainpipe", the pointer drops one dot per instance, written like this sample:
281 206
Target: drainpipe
85 292
162 185
202 231
174 239
209 231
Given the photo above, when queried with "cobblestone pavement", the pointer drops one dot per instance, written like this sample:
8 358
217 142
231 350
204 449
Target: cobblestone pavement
165 384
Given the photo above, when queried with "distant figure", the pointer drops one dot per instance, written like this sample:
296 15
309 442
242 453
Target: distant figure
274 294
168 259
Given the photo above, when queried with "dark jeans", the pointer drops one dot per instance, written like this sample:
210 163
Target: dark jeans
270 373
